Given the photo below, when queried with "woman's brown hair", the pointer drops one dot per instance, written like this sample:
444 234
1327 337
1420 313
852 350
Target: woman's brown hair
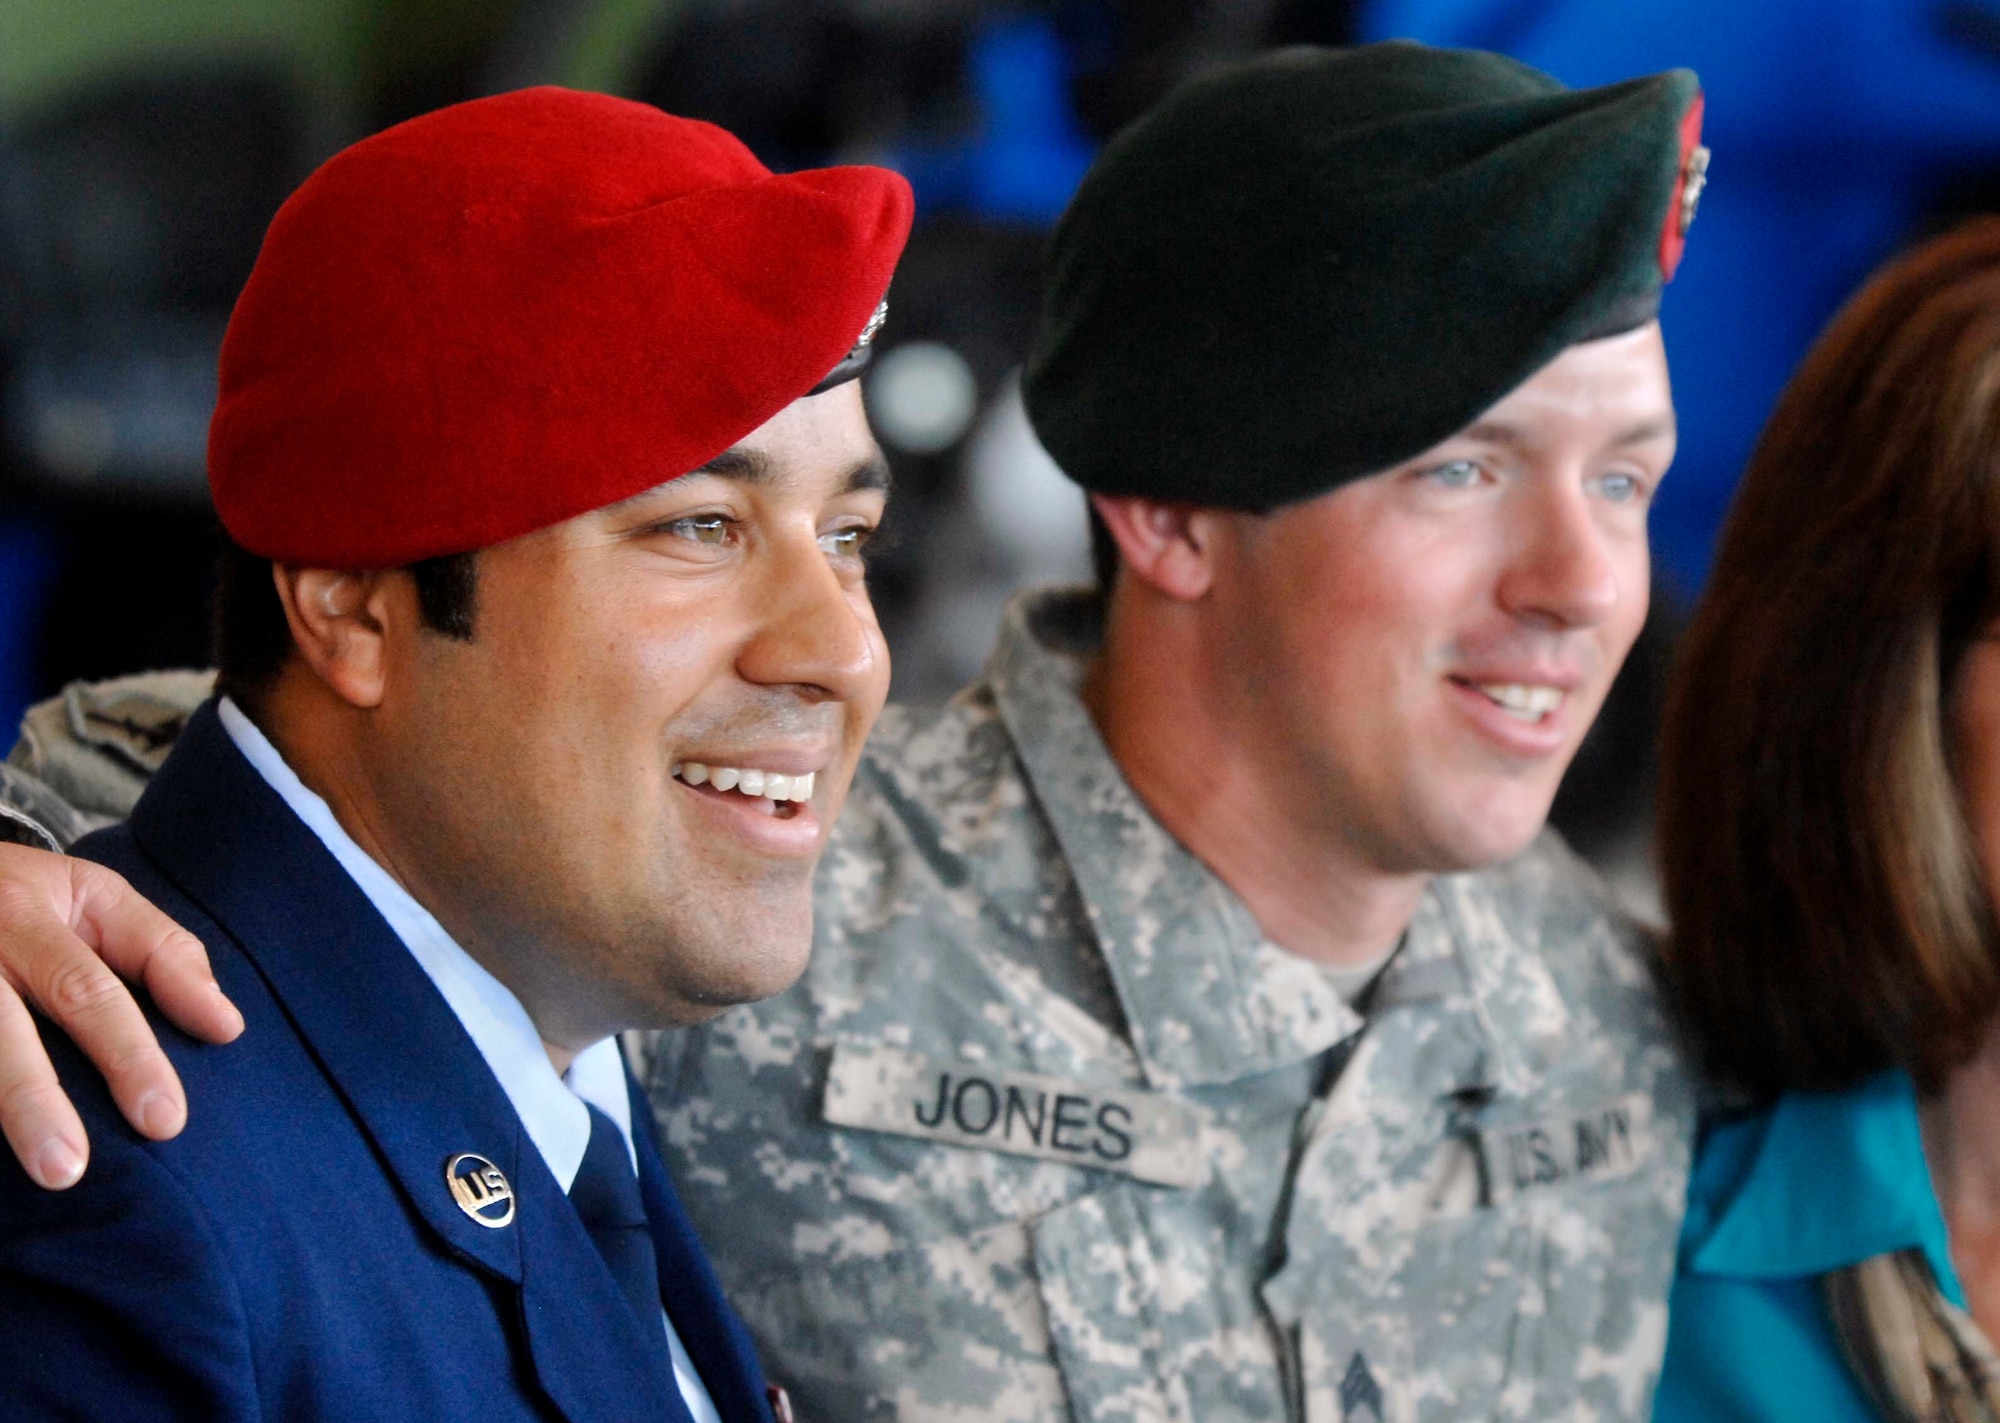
1829 915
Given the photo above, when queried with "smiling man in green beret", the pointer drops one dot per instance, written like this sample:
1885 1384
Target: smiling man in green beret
1201 1023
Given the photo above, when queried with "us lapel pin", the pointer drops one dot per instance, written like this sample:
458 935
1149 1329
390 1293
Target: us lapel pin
480 1189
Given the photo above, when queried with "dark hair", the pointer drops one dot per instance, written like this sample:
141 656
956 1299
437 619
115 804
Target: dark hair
1103 550
1829 915
253 640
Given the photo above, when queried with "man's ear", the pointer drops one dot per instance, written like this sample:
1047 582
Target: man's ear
1170 547
338 620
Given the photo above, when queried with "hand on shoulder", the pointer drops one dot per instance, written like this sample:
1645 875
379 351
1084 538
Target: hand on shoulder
69 930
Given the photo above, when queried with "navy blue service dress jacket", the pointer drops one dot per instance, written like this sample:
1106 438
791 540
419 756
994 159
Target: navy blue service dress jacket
296 1253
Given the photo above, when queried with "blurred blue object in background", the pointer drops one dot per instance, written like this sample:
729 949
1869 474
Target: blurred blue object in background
1835 124
1027 152
27 562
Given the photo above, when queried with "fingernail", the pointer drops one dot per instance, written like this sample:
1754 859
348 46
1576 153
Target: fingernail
57 1165
158 1117
234 1011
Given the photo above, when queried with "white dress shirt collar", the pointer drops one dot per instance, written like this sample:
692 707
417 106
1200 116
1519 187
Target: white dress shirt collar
551 1109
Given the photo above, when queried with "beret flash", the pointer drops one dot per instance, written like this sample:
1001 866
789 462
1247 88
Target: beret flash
502 314
1314 265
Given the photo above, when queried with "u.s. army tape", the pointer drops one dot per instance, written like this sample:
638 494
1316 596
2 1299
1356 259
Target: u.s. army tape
1577 1147
1145 1135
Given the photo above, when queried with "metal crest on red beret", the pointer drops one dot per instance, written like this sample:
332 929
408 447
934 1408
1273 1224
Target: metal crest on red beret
858 356
508 312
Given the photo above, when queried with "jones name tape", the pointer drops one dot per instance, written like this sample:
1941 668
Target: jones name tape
1145 1135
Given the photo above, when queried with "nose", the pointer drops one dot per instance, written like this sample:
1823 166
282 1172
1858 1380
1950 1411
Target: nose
1563 571
812 631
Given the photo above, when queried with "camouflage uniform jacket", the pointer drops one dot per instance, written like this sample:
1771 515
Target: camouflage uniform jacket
1049 1131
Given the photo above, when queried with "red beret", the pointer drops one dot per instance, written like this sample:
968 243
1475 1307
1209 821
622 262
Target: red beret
502 314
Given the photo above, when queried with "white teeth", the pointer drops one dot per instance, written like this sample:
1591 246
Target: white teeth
750 782
1524 702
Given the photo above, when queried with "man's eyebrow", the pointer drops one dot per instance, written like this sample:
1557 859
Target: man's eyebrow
1497 432
755 467
1494 432
750 466
1650 430
869 473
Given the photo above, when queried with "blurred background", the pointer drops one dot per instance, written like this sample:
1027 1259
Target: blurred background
144 145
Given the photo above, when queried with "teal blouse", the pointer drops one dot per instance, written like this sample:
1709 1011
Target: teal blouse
1778 1199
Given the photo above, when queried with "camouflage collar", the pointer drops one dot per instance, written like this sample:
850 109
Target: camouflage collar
1491 924
96 745
1206 996
32 814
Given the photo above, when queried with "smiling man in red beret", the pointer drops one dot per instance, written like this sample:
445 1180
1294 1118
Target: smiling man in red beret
546 663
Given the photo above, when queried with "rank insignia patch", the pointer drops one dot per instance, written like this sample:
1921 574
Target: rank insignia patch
1360 1394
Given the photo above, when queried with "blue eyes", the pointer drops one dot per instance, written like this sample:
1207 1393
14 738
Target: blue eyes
1616 488
1457 474
1619 488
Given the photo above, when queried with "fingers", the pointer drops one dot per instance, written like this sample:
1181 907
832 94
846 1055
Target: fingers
56 916
59 973
82 993
41 1126
142 944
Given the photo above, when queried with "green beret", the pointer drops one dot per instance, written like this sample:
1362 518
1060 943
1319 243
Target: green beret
1315 265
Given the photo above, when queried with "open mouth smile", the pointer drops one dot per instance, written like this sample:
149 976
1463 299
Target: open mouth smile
1521 701
773 792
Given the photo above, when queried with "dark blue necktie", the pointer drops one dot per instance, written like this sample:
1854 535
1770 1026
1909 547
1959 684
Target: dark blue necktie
606 1196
